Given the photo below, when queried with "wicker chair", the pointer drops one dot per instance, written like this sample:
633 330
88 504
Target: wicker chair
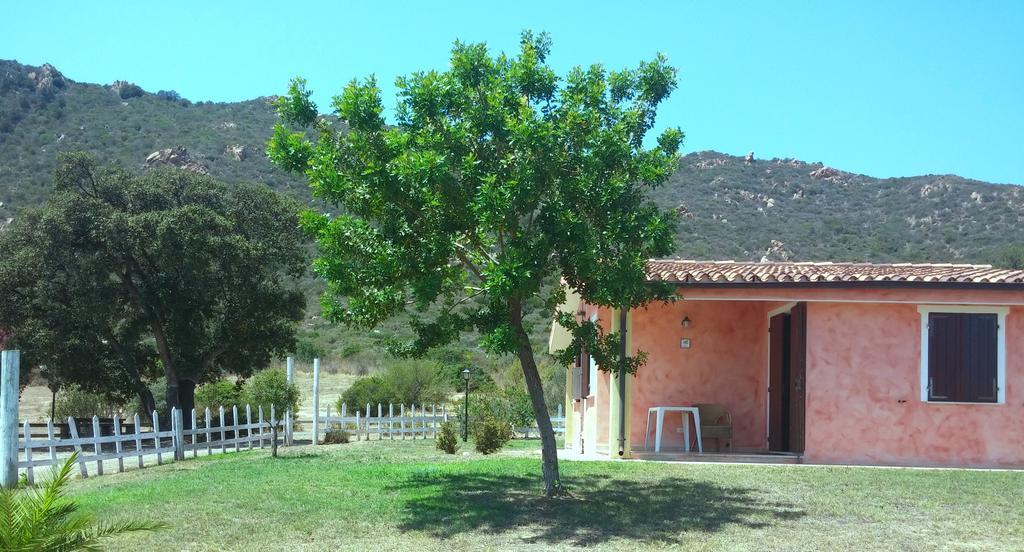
715 423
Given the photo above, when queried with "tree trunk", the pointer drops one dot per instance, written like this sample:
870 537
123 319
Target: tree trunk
549 449
146 401
187 400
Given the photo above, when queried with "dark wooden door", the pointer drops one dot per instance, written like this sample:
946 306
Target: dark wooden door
778 382
797 376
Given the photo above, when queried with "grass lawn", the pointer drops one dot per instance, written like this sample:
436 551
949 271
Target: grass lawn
406 495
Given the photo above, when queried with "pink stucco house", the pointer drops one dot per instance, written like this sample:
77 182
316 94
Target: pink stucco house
889 364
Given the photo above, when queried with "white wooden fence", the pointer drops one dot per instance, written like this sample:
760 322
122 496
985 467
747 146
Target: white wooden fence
397 423
144 446
557 424
26 452
400 423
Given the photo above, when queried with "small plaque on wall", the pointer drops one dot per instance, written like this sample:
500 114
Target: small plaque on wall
684 343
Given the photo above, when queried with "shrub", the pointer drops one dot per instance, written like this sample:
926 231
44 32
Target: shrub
336 435
76 402
306 350
271 387
368 390
490 435
511 406
448 438
130 90
415 382
216 394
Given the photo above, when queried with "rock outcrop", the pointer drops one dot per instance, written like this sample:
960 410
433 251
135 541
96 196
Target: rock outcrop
127 89
776 252
47 77
825 173
238 152
175 157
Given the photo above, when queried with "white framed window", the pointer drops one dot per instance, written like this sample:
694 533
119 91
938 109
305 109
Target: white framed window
592 376
963 354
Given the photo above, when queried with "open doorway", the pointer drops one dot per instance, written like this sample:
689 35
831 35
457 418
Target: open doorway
787 369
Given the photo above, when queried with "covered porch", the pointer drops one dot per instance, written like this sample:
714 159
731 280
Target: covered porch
702 351
737 363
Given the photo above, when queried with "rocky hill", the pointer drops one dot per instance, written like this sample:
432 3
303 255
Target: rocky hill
732 207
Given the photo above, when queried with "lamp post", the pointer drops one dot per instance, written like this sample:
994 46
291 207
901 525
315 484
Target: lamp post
465 408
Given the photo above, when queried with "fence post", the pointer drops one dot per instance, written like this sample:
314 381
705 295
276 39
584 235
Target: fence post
289 415
50 436
433 420
73 429
138 439
259 410
179 434
248 426
358 429
156 439
223 436
30 477
316 401
412 422
117 443
209 422
195 434
391 421
97 448
235 424
10 364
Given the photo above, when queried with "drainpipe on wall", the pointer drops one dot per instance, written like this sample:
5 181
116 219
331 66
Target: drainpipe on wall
622 381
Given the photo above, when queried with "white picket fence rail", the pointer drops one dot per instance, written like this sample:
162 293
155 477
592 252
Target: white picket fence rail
144 445
400 423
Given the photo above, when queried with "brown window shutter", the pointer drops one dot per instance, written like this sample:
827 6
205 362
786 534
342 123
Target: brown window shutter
944 356
979 357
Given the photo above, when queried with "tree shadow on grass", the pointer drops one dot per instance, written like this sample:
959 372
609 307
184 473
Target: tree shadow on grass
599 508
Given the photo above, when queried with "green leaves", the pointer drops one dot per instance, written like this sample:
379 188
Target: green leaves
494 179
296 107
118 269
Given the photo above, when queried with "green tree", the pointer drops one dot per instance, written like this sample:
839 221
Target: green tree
496 177
271 388
167 269
1009 256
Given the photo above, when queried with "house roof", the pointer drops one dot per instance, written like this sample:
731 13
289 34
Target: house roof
818 273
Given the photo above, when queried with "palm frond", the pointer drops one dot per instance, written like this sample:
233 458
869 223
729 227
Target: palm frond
43 518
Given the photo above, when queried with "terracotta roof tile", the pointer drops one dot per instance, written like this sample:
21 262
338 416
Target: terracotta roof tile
732 272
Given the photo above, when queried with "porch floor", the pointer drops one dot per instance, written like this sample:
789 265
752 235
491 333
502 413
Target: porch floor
737 457
731 457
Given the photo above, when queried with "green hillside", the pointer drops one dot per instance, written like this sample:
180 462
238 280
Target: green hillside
731 208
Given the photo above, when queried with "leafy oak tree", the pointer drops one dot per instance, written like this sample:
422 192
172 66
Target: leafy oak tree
121 277
496 177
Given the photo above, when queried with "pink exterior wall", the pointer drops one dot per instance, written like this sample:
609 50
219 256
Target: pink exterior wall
727 364
863 375
863 394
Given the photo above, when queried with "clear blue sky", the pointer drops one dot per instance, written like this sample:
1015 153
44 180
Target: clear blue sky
885 89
